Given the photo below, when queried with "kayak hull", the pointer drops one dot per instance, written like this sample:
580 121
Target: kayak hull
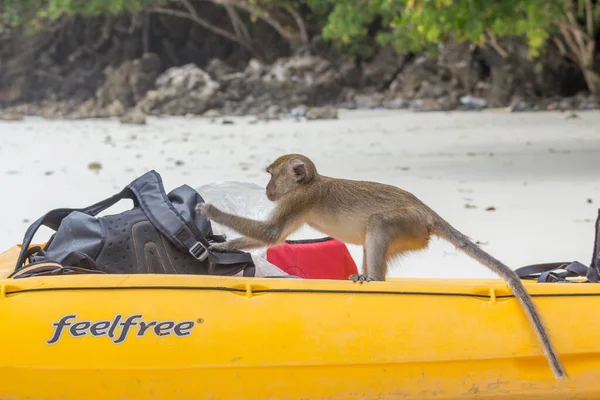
192 337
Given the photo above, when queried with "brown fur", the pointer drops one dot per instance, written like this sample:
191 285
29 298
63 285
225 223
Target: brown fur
387 221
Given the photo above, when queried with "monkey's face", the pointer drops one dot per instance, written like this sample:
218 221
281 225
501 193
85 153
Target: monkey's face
286 176
279 184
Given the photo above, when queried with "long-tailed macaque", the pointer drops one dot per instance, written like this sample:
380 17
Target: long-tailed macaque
384 219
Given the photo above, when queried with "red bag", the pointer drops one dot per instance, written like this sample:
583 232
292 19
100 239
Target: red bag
324 258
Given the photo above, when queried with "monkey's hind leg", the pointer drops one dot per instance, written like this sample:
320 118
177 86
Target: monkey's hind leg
391 235
375 251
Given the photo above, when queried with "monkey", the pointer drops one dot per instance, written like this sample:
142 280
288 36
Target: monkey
385 220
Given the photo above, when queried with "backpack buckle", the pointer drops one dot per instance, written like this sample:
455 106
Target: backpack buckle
198 251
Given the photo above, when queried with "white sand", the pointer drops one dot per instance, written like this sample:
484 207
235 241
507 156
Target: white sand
537 169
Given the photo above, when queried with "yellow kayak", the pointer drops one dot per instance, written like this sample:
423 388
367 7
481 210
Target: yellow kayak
210 337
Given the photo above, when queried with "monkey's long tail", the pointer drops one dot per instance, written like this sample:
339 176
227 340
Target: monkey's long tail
444 230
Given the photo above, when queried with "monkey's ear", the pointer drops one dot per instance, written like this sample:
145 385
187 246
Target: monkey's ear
299 169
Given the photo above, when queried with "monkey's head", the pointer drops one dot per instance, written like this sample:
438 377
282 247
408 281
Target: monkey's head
288 173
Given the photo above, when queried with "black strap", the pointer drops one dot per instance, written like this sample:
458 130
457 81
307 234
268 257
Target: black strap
548 272
595 264
50 268
53 219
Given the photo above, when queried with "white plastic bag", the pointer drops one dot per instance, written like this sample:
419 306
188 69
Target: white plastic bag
246 200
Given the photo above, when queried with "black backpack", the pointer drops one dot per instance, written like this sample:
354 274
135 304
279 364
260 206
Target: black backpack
560 271
161 234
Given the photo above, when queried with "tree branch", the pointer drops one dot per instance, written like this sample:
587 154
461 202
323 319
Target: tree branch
262 14
104 38
571 12
589 16
194 17
494 43
146 32
563 50
189 7
572 42
238 25
300 22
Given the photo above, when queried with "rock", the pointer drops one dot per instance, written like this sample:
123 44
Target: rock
298 112
87 109
422 72
218 69
254 69
212 114
180 91
11 117
431 90
518 105
458 58
396 104
473 103
428 105
115 109
126 84
300 70
368 101
350 74
88 106
587 102
10 94
287 83
143 75
426 81
133 118
383 68
327 112
271 114
117 86
514 75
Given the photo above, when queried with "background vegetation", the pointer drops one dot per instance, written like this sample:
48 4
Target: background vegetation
357 27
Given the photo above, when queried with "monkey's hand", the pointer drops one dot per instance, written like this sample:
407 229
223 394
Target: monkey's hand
208 210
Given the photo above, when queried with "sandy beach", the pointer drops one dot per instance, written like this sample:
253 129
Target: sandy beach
539 171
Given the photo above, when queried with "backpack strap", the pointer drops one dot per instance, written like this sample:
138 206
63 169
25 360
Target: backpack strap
548 272
49 268
53 219
153 200
594 273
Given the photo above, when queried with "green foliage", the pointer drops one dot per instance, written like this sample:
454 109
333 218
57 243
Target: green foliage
357 25
29 13
417 25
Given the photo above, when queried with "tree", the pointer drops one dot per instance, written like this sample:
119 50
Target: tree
416 25
279 14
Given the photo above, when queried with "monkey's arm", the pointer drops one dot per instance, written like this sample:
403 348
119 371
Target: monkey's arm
241 243
270 232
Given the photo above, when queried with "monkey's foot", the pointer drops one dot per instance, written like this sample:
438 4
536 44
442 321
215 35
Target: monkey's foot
360 278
